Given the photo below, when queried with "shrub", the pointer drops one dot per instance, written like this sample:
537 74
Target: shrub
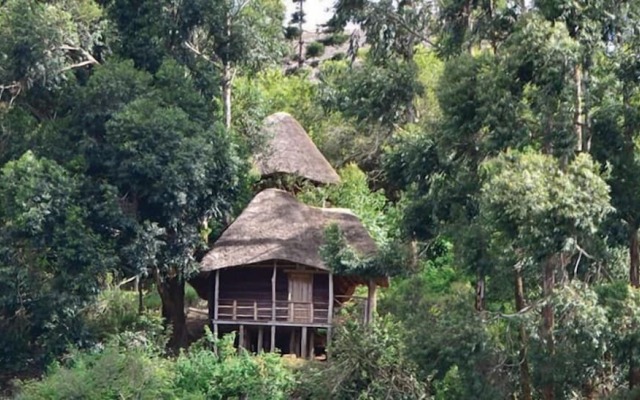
366 362
202 373
116 311
335 39
114 372
315 49
292 32
339 56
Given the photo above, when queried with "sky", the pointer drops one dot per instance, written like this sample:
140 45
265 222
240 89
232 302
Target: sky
317 12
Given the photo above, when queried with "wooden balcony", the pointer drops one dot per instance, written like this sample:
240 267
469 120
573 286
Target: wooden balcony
312 313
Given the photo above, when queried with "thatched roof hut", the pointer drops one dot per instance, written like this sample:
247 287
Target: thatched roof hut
276 226
289 150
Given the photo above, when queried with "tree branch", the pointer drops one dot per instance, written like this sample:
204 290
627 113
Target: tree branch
215 60
90 59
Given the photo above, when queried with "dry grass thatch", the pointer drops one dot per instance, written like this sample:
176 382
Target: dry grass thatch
289 150
276 226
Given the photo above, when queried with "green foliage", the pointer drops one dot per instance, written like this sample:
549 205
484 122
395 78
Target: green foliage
334 39
314 49
582 337
114 372
51 260
353 192
371 93
131 366
115 311
223 374
367 362
42 41
273 91
390 259
451 344
292 32
540 207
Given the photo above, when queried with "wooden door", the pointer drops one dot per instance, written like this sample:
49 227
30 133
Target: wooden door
300 297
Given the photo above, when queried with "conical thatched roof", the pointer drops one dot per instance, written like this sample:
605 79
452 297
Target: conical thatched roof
276 226
289 150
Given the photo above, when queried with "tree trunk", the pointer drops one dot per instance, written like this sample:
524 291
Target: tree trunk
226 75
371 301
548 284
586 109
171 291
300 39
525 375
140 296
634 370
480 288
226 94
578 117
634 257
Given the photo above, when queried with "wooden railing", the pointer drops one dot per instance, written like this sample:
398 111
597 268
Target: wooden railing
263 310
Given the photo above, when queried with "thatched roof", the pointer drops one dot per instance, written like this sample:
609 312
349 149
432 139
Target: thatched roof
289 150
276 226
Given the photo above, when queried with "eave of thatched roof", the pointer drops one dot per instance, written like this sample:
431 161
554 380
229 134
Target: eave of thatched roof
290 150
276 226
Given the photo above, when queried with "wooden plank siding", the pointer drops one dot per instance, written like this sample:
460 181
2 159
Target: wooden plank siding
245 294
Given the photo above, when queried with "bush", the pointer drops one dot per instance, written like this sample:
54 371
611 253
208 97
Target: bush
339 56
335 39
115 372
132 366
202 373
292 32
315 49
116 311
366 362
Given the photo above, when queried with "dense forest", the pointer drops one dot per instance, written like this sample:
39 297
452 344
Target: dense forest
490 147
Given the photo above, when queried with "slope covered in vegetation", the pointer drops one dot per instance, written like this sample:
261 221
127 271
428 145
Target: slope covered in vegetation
490 148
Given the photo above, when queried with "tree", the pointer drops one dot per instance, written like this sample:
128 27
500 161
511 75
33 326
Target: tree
44 43
540 212
51 260
175 170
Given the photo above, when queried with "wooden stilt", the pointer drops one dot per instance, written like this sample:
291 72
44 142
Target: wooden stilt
303 342
327 344
273 338
241 338
273 293
260 339
216 295
293 342
330 300
312 351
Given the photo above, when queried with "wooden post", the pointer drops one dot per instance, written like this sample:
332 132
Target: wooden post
293 343
312 347
371 301
327 344
234 310
241 338
216 296
211 303
273 294
260 339
272 345
303 343
330 307
255 310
